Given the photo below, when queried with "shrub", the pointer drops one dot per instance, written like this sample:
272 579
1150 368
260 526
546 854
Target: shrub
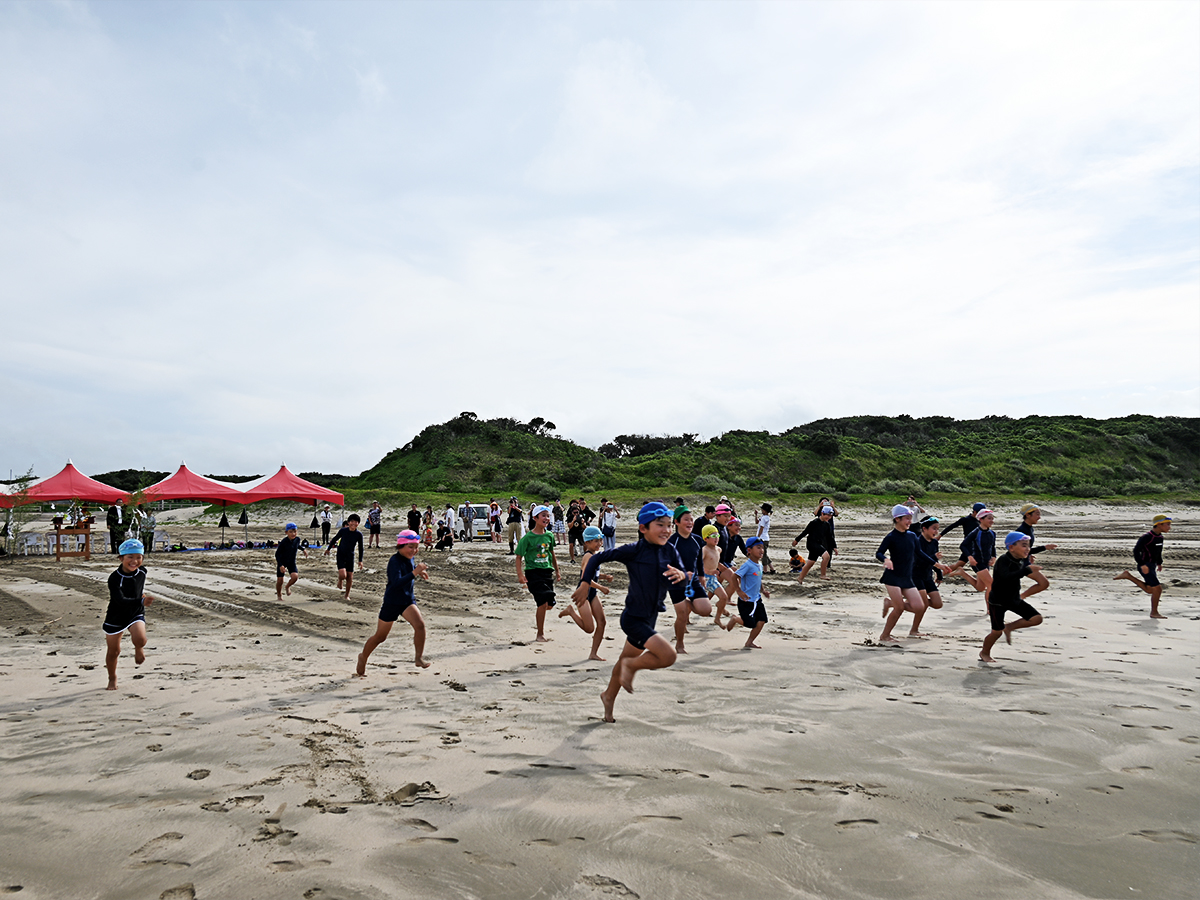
541 489
711 484
855 489
896 487
814 487
840 495
1087 490
945 487
1144 487
769 490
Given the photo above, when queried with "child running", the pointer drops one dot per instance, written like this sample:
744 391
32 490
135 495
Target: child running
652 567
751 612
710 560
1031 514
924 565
763 532
1006 595
347 538
588 613
127 602
1147 555
398 600
285 560
820 542
897 552
690 595
537 566
968 524
980 550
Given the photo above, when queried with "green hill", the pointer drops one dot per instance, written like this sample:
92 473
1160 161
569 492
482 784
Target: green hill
1046 455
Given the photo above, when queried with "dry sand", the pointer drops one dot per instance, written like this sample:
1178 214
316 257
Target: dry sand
244 760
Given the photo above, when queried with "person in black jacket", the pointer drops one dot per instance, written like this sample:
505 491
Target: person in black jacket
821 542
1147 554
115 520
1006 595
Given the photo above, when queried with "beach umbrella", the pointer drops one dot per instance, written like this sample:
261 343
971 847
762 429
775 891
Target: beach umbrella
224 523
314 524
244 519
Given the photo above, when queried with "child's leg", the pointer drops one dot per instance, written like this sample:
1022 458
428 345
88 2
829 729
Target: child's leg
701 606
609 696
824 563
598 634
808 564
279 584
581 615
412 615
540 617
931 599
295 577
349 580
658 655
137 634
382 629
1155 594
988 642
970 578
754 632
113 650
735 621
983 580
1020 623
722 601
681 616
894 603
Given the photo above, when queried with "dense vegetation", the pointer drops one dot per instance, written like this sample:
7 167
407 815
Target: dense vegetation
1047 455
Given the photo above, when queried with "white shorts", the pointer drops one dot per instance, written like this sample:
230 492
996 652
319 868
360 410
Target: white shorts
560 527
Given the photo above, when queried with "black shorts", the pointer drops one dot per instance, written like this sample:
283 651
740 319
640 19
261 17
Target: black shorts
686 591
638 629
1018 606
1151 577
394 609
540 583
291 567
979 567
374 528
926 583
890 577
815 553
751 612
347 564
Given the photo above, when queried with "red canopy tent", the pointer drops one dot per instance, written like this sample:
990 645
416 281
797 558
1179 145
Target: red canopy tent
187 485
283 485
71 484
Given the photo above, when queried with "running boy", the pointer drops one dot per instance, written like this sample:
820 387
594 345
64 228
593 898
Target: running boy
285 560
980 550
1006 595
1031 514
652 567
710 560
588 613
1147 554
127 602
968 524
537 566
689 595
398 601
347 538
750 590
925 563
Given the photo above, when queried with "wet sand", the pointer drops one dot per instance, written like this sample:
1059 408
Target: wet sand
243 759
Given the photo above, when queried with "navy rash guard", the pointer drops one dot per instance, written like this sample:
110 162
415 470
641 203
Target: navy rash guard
981 544
646 563
902 545
925 559
689 549
399 580
1148 550
820 536
967 523
1026 528
285 552
346 541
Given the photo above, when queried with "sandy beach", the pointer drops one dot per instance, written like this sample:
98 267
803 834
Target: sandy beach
244 760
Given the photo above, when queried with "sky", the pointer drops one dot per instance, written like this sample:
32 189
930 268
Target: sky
246 234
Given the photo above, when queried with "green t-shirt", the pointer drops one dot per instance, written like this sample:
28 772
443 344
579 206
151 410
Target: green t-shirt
536 550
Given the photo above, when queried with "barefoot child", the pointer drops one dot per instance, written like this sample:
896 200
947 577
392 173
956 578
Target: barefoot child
820 541
653 567
968 524
924 565
980 550
1031 514
285 560
900 549
710 559
689 595
127 602
1147 554
1006 595
537 566
398 600
347 538
750 591
588 613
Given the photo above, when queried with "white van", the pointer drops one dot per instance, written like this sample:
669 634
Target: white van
480 527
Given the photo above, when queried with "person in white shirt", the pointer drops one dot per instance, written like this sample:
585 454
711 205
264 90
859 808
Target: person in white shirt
764 535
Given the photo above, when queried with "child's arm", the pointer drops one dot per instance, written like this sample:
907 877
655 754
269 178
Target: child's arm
520 568
554 559
147 599
421 571
736 584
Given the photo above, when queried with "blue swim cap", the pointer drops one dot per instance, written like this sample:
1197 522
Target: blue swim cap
651 511
131 546
1014 537
750 542
592 533
976 507
290 526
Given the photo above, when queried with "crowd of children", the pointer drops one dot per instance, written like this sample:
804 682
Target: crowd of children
693 561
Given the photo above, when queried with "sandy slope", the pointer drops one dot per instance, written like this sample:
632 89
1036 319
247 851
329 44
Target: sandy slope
243 760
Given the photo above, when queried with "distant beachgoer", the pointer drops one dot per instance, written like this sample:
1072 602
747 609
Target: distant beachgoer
652 568
399 601
468 521
762 531
414 519
558 526
608 525
127 602
495 517
1006 596
374 523
513 524
1147 555
346 540
285 560
115 520
326 523
147 532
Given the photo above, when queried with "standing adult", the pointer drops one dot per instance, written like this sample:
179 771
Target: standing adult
148 523
468 518
449 518
608 525
374 523
327 523
414 519
115 520
513 524
495 521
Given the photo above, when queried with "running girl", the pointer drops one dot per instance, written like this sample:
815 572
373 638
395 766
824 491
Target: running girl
398 601
588 613
897 552
285 560
924 565
127 602
691 595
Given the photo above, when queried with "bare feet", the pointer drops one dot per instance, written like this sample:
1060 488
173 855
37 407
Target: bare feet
139 655
888 639
626 678
112 685
565 611
608 707
542 639
1123 575
917 634
597 658
1155 615
1008 634
360 668
983 657
346 596
288 590
750 645
679 646
420 661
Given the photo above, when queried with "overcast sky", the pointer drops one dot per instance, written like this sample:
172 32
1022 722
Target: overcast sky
240 234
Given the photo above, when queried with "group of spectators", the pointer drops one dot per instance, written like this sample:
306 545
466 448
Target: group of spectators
137 523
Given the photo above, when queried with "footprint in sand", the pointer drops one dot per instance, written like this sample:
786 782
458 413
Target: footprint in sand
852 823
1131 769
1108 789
664 818
420 823
180 892
603 886
1168 837
439 840
198 774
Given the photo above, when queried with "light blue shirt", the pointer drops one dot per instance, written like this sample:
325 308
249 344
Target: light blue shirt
751 577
